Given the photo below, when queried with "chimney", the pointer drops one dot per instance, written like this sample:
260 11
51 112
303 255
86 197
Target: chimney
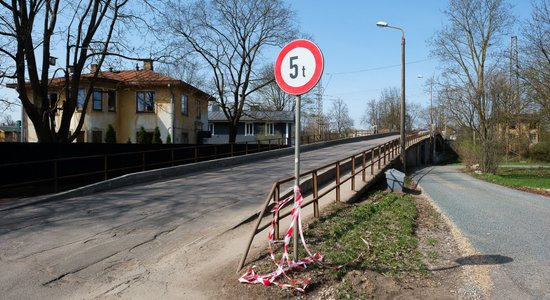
93 68
148 64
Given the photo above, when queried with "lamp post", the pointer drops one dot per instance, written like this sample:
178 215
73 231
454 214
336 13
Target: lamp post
402 129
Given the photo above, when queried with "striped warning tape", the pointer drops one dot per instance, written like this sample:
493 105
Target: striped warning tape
285 264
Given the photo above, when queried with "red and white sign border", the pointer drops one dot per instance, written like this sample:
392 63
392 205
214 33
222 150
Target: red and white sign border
319 66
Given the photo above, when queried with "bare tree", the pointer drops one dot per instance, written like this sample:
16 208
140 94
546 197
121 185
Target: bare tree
413 116
464 46
340 120
271 97
29 30
384 112
229 36
536 70
372 114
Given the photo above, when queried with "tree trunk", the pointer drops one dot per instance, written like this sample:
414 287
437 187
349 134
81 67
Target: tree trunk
232 133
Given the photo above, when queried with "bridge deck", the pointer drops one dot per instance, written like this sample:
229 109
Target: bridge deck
93 245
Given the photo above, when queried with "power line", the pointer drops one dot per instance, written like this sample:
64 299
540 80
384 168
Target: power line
379 68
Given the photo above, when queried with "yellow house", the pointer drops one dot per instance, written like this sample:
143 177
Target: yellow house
130 99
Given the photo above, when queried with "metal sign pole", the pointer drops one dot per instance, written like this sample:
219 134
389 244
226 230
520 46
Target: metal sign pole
296 168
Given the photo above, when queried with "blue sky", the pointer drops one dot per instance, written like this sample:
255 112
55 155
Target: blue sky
362 59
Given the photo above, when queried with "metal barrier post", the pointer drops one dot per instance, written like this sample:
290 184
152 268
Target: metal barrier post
55 181
378 157
372 161
353 173
363 163
143 161
315 196
105 176
385 152
172 154
276 199
338 181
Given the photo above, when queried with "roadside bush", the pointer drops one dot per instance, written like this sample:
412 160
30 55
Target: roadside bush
110 135
142 136
469 153
540 152
156 136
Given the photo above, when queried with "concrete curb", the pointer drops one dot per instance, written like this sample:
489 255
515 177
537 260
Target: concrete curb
157 174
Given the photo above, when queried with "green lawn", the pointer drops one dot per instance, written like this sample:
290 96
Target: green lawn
520 177
523 163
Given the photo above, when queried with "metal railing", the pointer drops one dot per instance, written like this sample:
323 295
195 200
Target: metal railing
53 174
340 172
95 168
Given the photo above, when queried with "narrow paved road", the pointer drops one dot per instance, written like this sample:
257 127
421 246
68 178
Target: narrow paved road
498 221
124 242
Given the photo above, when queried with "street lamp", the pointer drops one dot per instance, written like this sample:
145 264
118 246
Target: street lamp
402 129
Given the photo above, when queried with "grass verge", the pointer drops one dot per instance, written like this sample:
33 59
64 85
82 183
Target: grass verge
538 178
378 235
389 246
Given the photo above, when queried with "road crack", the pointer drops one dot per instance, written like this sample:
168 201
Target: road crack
164 232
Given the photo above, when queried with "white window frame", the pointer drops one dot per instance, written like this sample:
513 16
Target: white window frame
97 91
80 98
211 127
184 104
111 95
198 108
269 129
248 129
145 94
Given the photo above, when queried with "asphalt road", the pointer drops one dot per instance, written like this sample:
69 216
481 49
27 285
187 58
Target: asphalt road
105 244
500 222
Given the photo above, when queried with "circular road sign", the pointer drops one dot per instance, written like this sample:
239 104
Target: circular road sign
299 67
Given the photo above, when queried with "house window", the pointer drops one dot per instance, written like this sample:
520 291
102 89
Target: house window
145 101
198 106
533 137
211 128
111 101
249 129
97 136
269 129
97 100
184 104
80 98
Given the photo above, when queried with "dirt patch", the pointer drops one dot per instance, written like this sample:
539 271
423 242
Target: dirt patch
446 275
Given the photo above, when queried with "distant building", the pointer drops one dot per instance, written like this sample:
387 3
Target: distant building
10 133
254 126
130 99
524 128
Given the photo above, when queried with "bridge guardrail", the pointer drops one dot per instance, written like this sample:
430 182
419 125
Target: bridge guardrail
376 155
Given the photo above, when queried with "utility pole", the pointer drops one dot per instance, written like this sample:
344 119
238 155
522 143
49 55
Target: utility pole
319 108
514 85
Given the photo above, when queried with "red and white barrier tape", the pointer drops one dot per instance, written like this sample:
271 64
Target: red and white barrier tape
267 279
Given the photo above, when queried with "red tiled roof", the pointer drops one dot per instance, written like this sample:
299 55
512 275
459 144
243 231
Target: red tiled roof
130 78
136 77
